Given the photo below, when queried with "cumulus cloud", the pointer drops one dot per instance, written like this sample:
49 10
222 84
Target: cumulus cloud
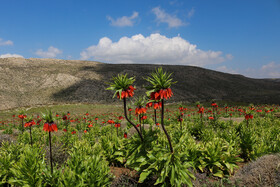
52 52
8 55
123 21
163 17
3 43
153 49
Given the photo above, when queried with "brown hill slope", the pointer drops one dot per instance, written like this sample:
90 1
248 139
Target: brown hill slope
28 82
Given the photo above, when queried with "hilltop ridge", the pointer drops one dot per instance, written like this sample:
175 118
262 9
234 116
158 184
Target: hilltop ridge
30 82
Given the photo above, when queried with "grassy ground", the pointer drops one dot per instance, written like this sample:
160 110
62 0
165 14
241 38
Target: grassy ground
74 109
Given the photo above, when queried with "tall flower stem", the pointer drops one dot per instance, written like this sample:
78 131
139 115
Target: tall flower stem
30 135
111 130
50 144
163 128
181 119
22 128
125 114
155 114
139 119
143 125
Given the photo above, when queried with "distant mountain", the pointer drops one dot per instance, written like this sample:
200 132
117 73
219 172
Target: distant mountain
29 82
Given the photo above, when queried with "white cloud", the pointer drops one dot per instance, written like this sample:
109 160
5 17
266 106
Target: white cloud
3 43
8 55
153 49
270 70
226 70
52 52
123 21
229 56
191 13
163 17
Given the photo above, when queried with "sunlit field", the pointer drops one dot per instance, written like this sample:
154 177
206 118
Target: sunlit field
90 147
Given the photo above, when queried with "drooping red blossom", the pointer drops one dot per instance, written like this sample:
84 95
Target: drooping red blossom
117 125
143 117
90 125
57 115
64 130
22 116
111 121
73 132
249 116
140 110
96 119
130 109
29 124
127 93
87 114
157 105
162 93
149 104
214 105
50 127
85 131
157 124
138 125
125 135
201 110
211 118
120 118
65 117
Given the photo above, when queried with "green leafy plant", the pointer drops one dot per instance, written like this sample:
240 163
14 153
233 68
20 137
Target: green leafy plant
247 142
49 126
26 172
122 85
159 89
85 167
113 150
168 167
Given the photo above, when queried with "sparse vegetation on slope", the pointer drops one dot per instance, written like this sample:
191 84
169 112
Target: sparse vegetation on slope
29 82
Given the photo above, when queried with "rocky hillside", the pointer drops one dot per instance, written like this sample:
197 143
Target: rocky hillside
29 82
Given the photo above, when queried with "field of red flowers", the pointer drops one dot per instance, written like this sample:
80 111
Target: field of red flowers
143 142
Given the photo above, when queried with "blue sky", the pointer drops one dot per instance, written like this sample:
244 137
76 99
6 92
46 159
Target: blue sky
234 36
